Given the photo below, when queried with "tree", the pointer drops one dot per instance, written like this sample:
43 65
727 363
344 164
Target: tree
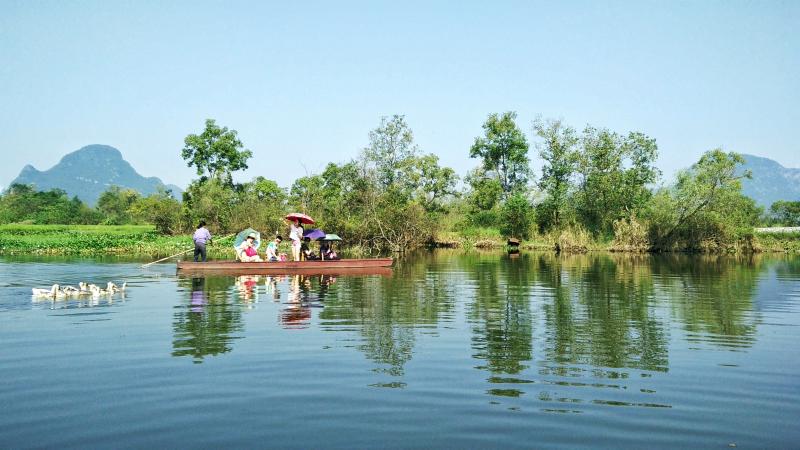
22 203
558 150
260 204
483 198
429 181
159 209
391 148
786 213
307 194
217 151
115 204
516 216
614 174
706 203
212 200
504 151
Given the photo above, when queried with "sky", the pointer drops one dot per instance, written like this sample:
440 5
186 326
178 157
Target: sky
303 83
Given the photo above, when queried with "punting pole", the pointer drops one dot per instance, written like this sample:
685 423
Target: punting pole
181 253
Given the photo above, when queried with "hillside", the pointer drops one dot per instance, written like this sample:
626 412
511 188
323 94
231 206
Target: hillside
771 181
89 172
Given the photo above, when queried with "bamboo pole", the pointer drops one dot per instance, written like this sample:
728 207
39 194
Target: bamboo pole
181 253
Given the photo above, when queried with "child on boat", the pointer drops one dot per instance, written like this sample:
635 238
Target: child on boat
272 249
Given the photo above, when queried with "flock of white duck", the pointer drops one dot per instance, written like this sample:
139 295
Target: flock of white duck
84 289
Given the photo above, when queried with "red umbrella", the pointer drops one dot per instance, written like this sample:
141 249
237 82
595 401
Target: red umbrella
301 217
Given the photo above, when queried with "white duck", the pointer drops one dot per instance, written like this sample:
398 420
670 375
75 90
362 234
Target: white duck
114 288
70 291
42 292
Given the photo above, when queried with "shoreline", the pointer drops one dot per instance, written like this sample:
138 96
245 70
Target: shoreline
144 241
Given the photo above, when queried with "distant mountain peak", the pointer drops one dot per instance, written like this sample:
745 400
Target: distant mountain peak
89 171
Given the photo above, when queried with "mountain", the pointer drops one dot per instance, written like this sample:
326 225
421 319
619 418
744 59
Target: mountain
771 181
89 172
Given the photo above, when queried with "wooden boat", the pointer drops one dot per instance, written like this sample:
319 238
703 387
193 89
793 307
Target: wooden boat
379 266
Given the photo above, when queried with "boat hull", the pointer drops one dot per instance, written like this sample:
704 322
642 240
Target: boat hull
370 266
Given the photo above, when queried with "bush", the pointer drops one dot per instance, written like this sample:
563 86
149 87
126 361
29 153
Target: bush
516 217
630 235
574 239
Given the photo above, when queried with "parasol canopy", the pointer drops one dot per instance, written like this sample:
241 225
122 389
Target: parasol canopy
243 235
331 237
301 217
314 234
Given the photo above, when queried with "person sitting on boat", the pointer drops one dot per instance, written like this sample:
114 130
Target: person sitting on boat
247 250
305 250
272 249
324 250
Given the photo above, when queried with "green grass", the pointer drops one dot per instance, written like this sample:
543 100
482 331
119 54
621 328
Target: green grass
142 240
778 242
111 240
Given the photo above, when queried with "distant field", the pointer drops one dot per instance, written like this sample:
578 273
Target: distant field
89 240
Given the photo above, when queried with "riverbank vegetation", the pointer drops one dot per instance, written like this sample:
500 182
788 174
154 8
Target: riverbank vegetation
596 189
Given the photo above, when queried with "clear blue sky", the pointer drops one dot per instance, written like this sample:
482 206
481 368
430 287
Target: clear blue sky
304 82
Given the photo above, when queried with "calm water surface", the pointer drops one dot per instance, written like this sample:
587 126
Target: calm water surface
453 350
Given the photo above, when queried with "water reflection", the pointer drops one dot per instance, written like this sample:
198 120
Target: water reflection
536 321
640 345
207 322
601 317
389 312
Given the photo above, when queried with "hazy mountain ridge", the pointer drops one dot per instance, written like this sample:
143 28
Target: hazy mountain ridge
90 171
771 181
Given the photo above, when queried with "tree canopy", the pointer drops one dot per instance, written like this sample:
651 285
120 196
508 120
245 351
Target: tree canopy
216 152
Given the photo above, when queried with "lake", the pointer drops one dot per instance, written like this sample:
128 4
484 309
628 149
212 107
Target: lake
452 350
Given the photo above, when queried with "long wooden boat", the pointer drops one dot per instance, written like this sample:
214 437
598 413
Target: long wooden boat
379 266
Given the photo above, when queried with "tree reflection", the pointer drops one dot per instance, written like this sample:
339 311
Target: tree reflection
602 312
206 323
387 310
500 312
712 294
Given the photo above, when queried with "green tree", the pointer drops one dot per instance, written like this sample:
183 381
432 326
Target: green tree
705 204
483 198
558 151
504 151
212 200
217 151
430 182
516 216
614 176
307 194
391 148
115 204
159 209
786 213
22 203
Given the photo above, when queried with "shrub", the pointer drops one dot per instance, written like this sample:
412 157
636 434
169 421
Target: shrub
630 235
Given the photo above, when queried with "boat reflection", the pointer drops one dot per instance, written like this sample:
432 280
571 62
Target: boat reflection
210 319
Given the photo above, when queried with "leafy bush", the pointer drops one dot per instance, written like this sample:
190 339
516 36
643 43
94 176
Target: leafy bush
574 239
630 235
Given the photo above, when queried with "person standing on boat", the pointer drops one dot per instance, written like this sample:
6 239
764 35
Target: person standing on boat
201 237
296 236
